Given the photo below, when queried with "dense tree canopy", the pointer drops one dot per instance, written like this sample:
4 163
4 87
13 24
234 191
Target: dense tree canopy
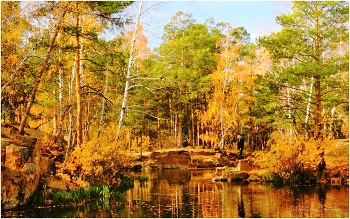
202 86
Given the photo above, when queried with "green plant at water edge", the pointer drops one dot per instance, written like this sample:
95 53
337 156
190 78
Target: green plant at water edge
142 179
125 183
117 197
105 191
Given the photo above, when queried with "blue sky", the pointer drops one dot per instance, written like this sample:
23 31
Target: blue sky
257 17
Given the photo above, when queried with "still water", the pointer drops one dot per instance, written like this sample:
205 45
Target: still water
191 193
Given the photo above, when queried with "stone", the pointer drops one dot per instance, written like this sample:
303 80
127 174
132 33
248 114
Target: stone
30 168
202 161
25 141
220 178
4 143
31 178
44 165
9 188
254 177
238 175
17 156
244 165
17 187
219 171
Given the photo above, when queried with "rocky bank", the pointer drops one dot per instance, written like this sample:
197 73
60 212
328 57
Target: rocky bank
22 166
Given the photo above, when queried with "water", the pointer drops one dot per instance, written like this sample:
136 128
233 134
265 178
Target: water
185 193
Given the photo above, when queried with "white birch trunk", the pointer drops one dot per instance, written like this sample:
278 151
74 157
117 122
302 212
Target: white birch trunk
60 97
128 76
308 108
70 110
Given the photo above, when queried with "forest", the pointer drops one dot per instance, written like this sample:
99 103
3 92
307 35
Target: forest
204 84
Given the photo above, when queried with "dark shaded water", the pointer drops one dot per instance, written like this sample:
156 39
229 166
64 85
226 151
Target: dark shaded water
186 193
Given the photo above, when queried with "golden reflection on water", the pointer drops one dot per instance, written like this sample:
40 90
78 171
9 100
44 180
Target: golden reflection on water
192 194
181 193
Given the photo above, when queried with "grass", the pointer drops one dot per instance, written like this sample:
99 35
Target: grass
99 193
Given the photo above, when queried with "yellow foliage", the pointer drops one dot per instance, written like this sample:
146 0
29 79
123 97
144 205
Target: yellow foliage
292 156
98 160
145 143
345 126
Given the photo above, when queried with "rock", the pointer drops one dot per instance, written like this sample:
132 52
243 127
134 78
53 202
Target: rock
202 161
244 165
31 178
253 177
25 141
4 143
17 187
44 165
17 156
10 188
55 183
177 159
238 175
219 178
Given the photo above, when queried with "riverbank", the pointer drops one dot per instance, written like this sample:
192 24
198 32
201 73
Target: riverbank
336 158
183 193
32 160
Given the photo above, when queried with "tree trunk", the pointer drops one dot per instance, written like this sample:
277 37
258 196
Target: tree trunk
103 104
189 125
70 110
179 137
38 79
60 85
78 89
193 130
128 77
54 114
171 117
308 108
318 133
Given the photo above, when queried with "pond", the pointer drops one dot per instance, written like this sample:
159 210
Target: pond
191 193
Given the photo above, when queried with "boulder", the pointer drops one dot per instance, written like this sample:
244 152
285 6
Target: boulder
4 143
44 165
25 141
237 175
11 184
17 187
177 159
16 156
30 177
202 161
244 165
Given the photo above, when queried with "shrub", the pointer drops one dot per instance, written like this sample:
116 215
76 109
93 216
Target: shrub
98 161
293 161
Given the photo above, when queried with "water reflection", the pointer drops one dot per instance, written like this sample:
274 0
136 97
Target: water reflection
184 193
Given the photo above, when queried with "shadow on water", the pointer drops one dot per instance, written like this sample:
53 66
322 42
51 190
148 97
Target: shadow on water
191 193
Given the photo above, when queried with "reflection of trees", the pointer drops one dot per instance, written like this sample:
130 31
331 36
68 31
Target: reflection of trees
201 198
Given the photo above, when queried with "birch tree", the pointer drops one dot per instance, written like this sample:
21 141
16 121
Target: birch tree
143 14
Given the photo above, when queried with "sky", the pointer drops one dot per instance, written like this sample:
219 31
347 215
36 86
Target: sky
257 17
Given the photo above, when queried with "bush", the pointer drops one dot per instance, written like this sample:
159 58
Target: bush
295 161
98 161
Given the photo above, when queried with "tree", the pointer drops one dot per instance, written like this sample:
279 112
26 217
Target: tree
189 50
138 51
39 77
14 26
313 30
